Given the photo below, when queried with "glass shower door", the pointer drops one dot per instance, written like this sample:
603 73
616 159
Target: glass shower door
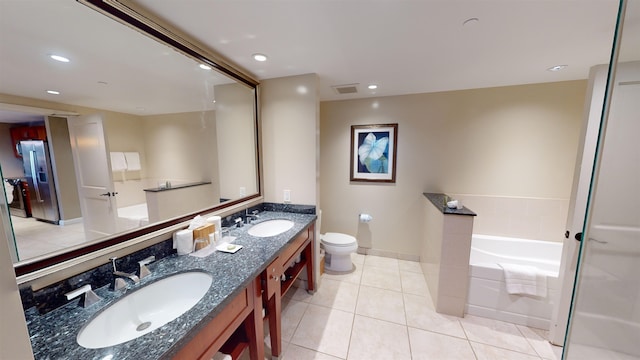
605 316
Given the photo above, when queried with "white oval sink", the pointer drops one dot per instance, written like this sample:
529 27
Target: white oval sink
145 310
270 228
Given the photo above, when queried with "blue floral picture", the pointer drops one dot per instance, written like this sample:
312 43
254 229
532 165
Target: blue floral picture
373 150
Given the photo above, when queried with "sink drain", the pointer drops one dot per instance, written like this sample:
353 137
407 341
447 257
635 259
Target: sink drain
143 326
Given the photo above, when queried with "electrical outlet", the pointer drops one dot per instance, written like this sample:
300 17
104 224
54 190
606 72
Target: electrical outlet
287 196
243 191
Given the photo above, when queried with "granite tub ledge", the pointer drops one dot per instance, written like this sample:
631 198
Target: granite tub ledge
53 335
440 202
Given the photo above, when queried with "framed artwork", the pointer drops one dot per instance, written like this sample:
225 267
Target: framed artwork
373 152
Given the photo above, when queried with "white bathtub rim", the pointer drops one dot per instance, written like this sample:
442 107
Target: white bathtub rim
488 258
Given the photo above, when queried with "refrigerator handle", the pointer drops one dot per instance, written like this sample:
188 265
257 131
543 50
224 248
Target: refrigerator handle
34 175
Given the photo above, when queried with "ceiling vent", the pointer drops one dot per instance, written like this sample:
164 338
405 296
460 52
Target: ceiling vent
346 89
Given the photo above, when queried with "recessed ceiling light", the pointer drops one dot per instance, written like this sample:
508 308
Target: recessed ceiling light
59 58
53 92
373 87
205 67
557 67
259 57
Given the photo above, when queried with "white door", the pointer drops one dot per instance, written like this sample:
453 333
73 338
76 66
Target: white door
605 317
95 185
578 203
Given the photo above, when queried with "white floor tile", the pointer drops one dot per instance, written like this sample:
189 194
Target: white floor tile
414 283
381 304
352 277
541 345
488 352
35 238
428 345
410 266
420 314
295 352
357 259
377 339
298 294
339 295
496 333
381 262
291 314
325 330
381 277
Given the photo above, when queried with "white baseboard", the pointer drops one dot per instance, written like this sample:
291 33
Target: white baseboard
388 254
70 221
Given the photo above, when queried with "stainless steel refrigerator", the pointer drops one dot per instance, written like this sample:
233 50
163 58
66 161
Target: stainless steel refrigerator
39 175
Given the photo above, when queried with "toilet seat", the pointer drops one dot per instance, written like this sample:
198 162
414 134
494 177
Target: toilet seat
338 240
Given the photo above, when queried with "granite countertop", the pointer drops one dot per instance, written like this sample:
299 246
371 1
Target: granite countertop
440 202
53 335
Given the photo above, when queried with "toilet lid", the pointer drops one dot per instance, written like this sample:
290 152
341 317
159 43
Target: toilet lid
337 239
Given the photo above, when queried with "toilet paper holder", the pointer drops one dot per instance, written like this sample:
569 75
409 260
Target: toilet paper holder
365 218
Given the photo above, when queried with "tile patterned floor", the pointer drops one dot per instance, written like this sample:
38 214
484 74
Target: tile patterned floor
35 238
383 310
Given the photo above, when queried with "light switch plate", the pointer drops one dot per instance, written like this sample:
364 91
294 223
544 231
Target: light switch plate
287 196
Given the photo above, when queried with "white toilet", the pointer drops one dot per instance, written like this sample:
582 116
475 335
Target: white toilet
338 248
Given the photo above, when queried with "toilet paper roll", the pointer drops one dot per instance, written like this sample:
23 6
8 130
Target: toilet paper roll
183 241
365 218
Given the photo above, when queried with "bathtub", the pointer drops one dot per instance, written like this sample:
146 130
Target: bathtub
132 217
487 295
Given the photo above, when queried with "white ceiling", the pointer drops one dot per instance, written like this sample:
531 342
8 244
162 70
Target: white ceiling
403 46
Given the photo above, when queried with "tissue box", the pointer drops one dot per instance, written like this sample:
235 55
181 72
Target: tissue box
203 233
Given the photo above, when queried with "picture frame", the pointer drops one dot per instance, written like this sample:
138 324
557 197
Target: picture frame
373 153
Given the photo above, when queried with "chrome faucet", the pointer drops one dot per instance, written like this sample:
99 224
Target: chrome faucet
144 271
88 296
119 276
250 216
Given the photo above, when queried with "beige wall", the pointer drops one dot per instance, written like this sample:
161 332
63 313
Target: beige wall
236 140
62 161
515 142
181 148
289 112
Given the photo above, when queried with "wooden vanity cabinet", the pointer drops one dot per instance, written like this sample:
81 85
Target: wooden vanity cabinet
237 327
280 275
241 324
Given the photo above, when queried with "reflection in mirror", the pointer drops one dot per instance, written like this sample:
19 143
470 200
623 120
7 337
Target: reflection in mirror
156 136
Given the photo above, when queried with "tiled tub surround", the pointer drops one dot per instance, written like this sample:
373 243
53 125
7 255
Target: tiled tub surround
445 253
53 335
518 217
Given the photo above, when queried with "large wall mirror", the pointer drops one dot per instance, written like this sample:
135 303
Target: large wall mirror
141 134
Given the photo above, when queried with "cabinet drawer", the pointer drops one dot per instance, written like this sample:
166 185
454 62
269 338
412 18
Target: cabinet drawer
272 278
294 248
218 330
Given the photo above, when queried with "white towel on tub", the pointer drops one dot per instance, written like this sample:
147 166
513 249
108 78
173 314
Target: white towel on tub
524 280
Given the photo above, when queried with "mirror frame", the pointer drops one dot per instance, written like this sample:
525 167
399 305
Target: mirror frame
132 15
